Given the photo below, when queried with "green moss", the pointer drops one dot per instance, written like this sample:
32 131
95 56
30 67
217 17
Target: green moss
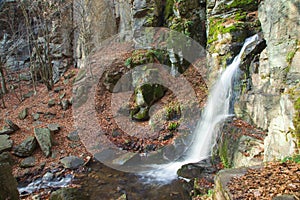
295 97
223 153
173 126
169 8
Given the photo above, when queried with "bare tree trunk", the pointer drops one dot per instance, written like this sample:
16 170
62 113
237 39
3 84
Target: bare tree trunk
3 82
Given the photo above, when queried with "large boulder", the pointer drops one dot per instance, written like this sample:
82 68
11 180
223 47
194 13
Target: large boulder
26 148
8 184
43 136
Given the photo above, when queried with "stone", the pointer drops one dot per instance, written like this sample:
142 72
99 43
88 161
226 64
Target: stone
141 115
72 162
6 157
65 104
25 76
6 130
68 194
35 116
5 143
8 184
12 125
28 162
73 136
48 176
43 136
284 197
54 128
200 170
26 148
51 103
23 114
28 95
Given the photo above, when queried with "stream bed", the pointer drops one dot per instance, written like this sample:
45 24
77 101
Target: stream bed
102 182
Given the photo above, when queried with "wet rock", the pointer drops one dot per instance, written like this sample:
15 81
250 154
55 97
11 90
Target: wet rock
68 194
28 162
5 143
43 136
8 184
26 148
12 125
48 176
73 136
51 103
23 114
72 162
65 104
54 128
202 169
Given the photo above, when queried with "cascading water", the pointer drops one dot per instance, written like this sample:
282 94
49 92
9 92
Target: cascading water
215 112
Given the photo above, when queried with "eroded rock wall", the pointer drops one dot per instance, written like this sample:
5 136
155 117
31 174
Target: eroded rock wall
272 90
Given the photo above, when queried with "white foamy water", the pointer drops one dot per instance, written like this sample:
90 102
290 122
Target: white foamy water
206 132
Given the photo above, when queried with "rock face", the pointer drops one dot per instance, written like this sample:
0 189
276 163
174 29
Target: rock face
26 148
273 83
8 184
43 136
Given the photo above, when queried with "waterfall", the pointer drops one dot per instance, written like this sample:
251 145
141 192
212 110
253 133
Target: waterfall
215 112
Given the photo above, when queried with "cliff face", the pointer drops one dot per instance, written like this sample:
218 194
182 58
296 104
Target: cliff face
271 100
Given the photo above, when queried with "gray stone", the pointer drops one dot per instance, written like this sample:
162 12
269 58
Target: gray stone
54 128
48 176
12 125
36 116
25 76
51 103
6 130
43 136
284 197
72 162
28 95
73 136
5 143
28 162
8 184
23 114
6 157
26 148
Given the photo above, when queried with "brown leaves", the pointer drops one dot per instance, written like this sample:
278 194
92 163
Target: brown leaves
267 182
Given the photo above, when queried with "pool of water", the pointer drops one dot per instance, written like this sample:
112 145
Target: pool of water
102 182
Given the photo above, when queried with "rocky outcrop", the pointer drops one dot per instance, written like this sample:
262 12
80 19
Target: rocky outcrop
229 24
270 96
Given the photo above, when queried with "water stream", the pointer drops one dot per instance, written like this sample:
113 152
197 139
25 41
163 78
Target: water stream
216 111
